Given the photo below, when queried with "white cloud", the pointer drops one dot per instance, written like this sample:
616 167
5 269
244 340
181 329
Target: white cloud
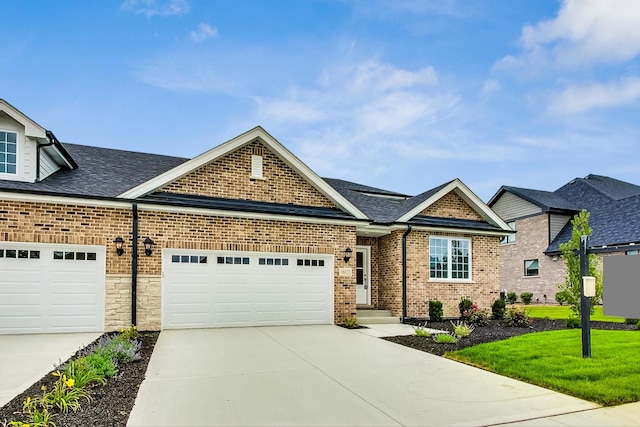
203 32
489 87
583 32
156 7
581 98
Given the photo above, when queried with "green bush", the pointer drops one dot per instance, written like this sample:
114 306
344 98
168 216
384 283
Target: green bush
512 297
477 317
573 322
630 321
102 363
638 324
517 317
350 323
445 339
464 306
82 373
461 329
435 311
561 297
526 297
421 330
497 308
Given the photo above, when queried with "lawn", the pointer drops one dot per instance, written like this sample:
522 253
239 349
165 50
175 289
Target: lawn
554 360
563 311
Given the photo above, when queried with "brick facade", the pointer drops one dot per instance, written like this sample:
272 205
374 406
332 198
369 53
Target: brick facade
451 206
532 239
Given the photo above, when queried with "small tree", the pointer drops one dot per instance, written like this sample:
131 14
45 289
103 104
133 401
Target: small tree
572 286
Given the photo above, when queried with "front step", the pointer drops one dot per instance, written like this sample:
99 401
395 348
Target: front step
370 317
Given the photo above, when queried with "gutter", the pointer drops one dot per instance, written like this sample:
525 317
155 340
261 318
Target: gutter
404 272
134 263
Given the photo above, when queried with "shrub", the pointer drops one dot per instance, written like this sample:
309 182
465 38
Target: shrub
573 322
37 412
638 324
445 339
421 330
512 297
102 363
64 395
435 311
561 297
129 334
82 373
461 329
477 317
497 308
464 306
124 350
517 317
350 323
630 321
526 297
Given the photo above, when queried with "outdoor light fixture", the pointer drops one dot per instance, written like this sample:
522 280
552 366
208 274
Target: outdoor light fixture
119 242
347 254
148 246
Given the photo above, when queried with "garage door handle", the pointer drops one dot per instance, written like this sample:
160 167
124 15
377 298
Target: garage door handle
366 286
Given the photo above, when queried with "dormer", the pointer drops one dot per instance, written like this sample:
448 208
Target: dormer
28 152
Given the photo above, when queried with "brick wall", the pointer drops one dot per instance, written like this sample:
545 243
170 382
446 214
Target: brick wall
73 224
451 206
390 272
532 239
229 177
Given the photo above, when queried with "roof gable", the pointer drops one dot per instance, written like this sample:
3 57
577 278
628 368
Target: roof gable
257 134
429 198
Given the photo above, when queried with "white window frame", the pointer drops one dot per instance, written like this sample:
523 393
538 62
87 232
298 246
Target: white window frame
511 238
17 134
449 270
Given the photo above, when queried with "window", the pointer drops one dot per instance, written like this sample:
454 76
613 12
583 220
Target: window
256 166
310 262
531 267
186 259
233 260
632 252
511 238
273 261
8 152
449 258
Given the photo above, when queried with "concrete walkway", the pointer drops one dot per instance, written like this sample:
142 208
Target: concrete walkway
326 375
24 359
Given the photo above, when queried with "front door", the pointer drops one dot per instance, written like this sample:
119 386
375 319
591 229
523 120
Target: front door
363 282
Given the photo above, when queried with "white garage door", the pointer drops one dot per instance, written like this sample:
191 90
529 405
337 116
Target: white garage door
217 289
51 288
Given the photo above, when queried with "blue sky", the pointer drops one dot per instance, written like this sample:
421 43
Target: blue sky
403 95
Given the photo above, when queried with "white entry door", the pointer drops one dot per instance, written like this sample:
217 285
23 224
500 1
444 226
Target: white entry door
363 280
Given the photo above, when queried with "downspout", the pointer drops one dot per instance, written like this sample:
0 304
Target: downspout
38 147
134 263
404 273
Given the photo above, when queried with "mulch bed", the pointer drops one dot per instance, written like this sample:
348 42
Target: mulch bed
111 404
495 331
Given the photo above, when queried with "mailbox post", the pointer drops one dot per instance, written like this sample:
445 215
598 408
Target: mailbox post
588 286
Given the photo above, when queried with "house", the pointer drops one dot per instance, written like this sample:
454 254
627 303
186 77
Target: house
531 259
95 239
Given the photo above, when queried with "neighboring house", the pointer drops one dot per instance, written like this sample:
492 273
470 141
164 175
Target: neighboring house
95 239
531 259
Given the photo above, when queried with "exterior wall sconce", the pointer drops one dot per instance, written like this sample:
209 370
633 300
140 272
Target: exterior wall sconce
119 242
347 254
148 246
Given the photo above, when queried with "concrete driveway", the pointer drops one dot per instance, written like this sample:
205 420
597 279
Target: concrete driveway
24 359
324 375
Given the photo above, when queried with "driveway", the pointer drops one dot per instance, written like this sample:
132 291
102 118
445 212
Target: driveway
24 359
324 375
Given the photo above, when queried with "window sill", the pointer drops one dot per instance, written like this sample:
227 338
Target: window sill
508 244
531 277
451 281
257 178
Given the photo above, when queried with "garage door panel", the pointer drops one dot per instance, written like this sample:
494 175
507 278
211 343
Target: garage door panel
244 289
40 293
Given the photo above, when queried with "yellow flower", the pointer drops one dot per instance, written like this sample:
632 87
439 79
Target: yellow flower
28 401
56 373
43 388
70 382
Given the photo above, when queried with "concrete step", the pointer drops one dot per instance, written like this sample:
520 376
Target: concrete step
370 317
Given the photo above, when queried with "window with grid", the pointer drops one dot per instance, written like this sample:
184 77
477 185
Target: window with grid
8 152
449 258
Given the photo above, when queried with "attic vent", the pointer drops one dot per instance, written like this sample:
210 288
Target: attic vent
257 150
256 166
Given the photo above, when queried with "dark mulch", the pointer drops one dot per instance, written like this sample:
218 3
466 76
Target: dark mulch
495 331
111 404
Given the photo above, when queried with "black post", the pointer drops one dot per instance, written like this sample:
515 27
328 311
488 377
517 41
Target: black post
585 304
134 265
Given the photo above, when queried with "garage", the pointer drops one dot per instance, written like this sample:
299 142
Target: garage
46 288
202 289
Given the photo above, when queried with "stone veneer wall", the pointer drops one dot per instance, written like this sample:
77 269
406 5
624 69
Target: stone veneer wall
532 239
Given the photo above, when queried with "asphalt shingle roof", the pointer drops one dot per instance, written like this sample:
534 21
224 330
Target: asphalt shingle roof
101 172
546 200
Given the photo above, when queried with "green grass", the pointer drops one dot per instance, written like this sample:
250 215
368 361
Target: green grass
554 360
563 311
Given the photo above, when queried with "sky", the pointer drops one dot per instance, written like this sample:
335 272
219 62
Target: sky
400 94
